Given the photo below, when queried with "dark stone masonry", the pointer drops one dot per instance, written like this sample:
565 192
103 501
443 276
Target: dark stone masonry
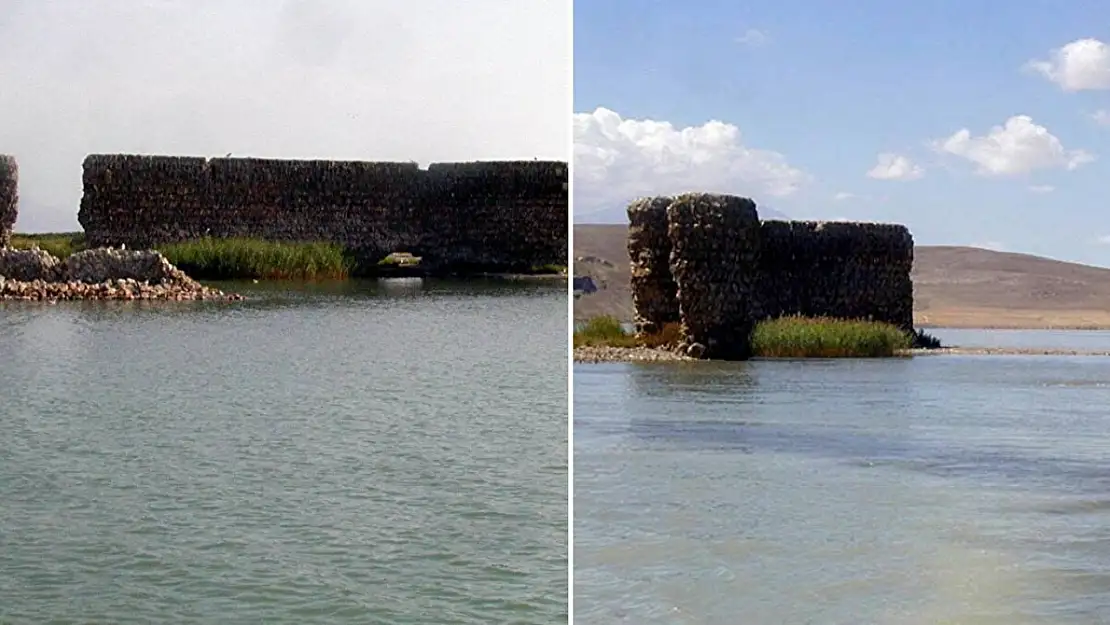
496 216
9 197
708 262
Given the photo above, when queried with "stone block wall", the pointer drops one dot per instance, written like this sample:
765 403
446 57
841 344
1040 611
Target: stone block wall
9 197
730 270
484 215
715 241
654 296
837 269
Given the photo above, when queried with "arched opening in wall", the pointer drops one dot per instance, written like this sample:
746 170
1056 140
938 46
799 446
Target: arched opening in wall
399 263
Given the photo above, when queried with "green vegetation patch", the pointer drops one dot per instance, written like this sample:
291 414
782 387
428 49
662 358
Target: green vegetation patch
246 258
823 337
603 331
238 259
785 337
60 244
608 331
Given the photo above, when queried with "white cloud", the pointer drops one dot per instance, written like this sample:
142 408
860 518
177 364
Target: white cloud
1104 239
1101 117
423 80
844 195
617 160
1018 147
1083 64
1042 188
996 246
895 167
754 38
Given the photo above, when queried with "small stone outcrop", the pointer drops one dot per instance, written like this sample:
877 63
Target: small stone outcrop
98 274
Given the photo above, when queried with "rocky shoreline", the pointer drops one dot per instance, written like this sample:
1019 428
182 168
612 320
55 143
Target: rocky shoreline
600 354
98 274
596 355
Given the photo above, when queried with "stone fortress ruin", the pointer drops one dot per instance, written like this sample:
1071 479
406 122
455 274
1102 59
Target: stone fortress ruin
709 263
462 217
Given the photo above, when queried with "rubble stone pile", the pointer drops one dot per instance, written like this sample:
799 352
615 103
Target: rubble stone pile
506 215
9 197
730 270
653 289
101 274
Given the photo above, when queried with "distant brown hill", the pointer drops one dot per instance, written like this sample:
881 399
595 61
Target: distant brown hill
953 286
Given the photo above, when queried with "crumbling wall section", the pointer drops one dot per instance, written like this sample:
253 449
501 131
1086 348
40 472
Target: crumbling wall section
9 197
837 269
715 263
654 296
730 270
485 214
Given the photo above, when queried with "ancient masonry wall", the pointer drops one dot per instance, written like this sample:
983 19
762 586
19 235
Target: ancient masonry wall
9 197
507 215
654 296
729 270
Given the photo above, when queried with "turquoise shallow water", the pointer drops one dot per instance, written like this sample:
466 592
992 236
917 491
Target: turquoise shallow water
939 489
359 453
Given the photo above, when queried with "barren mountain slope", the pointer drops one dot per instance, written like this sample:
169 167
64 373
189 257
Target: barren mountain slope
954 286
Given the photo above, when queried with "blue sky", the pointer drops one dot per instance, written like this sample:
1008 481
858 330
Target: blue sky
817 90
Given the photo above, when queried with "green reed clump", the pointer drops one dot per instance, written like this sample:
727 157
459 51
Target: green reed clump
823 337
237 259
60 244
603 331
608 331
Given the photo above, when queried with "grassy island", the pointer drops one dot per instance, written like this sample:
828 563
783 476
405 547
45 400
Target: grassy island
784 337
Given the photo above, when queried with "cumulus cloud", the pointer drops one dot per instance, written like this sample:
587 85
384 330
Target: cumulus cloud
1104 239
1042 188
895 167
1101 117
1083 64
1018 147
617 160
844 195
754 38
422 80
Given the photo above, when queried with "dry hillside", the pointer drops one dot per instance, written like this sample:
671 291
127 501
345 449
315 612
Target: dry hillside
953 286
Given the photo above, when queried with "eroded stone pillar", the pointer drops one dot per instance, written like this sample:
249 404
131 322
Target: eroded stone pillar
715 243
9 197
654 300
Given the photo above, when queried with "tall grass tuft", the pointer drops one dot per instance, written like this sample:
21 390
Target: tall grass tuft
823 337
237 259
603 331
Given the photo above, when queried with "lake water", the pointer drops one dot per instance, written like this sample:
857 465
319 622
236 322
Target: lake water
938 489
344 453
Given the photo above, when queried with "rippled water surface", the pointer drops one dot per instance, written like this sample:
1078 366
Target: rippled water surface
939 489
358 453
